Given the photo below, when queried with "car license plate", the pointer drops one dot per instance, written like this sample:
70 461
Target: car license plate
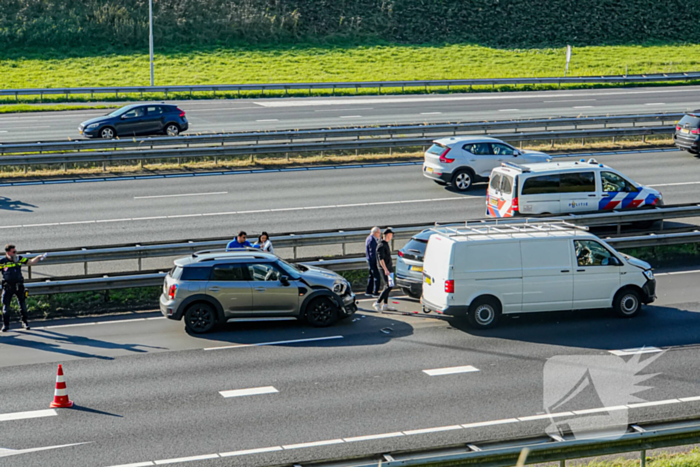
493 201
429 170
81 132
417 268
427 280
685 131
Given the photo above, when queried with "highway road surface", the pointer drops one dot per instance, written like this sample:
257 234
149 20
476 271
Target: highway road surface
49 216
147 394
322 112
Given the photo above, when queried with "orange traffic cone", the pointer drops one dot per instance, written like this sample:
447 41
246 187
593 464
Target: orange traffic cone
60 396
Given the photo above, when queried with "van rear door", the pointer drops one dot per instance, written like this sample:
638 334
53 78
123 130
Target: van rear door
501 192
437 268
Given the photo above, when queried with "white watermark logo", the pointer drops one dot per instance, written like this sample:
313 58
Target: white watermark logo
595 389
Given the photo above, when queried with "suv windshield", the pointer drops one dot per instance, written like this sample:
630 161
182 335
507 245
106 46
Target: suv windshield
291 269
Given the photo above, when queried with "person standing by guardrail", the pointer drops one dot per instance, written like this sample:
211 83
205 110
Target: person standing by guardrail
13 284
240 242
264 243
374 280
386 268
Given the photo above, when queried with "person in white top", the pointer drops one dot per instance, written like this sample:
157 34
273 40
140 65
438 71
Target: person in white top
264 243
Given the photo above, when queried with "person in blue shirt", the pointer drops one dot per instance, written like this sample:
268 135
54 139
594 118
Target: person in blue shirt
239 242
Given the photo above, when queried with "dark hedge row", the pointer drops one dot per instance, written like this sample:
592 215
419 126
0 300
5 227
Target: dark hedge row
511 23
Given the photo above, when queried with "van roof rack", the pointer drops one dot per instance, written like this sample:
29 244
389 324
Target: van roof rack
510 165
509 227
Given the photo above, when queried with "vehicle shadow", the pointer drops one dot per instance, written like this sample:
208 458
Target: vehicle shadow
8 204
655 326
359 329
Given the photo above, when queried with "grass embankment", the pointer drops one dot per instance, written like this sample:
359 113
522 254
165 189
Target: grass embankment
374 61
296 160
21 108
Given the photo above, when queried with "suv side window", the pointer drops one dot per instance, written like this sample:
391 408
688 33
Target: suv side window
501 150
135 113
230 273
592 253
263 272
195 273
614 183
478 149
154 110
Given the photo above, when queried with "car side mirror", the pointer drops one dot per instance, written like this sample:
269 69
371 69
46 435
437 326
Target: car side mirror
123 117
284 280
517 153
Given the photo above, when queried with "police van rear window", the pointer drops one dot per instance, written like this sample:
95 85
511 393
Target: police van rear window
195 273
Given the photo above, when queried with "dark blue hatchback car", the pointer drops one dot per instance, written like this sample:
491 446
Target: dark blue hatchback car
137 119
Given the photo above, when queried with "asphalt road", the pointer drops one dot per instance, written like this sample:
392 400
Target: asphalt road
145 391
321 112
128 211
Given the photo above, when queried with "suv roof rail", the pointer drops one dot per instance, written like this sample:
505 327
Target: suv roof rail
510 165
225 250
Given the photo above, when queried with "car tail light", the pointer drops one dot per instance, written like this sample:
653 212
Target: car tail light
678 128
450 286
401 253
445 159
515 205
182 112
695 131
172 291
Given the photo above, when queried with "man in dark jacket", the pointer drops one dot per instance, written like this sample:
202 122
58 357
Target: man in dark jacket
386 269
374 281
13 284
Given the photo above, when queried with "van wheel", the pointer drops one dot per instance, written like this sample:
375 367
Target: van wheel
627 303
200 318
484 313
321 312
463 179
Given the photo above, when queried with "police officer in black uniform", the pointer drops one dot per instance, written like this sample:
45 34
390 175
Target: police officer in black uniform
13 284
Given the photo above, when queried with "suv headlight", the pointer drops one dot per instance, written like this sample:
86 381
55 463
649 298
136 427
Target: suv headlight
649 274
340 287
92 125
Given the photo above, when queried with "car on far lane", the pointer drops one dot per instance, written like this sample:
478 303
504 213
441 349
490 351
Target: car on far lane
462 160
137 119
687 136
213 287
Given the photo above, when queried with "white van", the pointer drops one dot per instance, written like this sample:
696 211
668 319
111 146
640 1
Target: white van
563 187
493 269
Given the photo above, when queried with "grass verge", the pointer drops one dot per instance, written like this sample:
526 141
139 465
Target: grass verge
295 160
23 108
373 61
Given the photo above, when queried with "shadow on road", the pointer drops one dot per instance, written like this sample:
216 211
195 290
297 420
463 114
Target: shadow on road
7 204
80 408
655 326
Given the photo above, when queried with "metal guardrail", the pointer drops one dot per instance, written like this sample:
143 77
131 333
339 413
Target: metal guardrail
335 134
380 85
223 151
540 449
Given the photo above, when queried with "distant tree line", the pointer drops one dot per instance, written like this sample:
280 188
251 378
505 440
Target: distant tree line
507 23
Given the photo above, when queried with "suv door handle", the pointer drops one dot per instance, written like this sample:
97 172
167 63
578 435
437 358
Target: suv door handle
259 289
213 289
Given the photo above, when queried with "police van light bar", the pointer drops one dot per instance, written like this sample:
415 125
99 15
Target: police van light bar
515 166
592 161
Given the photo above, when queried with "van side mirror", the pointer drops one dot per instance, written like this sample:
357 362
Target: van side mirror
284 280
611 261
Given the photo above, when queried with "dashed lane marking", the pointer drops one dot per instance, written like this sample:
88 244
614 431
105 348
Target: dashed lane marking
186 194
186 459
249 392
6 417
450 371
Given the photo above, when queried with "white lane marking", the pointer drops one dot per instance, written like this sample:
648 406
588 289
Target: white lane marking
571 100
248 392
355 439
17 452
675 184
188 194
637 351
6 417
600 409
203 457
490 423
313 444
583 107
93 323
656 103
137 464
654 403
295 341
3 131
431 113
432 430
228 213
350 116
407 100
268 120
246 452
508 110
341 110
677 272
451 370
545 416
689 399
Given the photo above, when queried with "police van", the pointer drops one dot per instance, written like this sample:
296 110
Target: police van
563 187
503 267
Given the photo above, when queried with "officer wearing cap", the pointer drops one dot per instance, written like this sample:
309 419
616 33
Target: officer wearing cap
13 284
